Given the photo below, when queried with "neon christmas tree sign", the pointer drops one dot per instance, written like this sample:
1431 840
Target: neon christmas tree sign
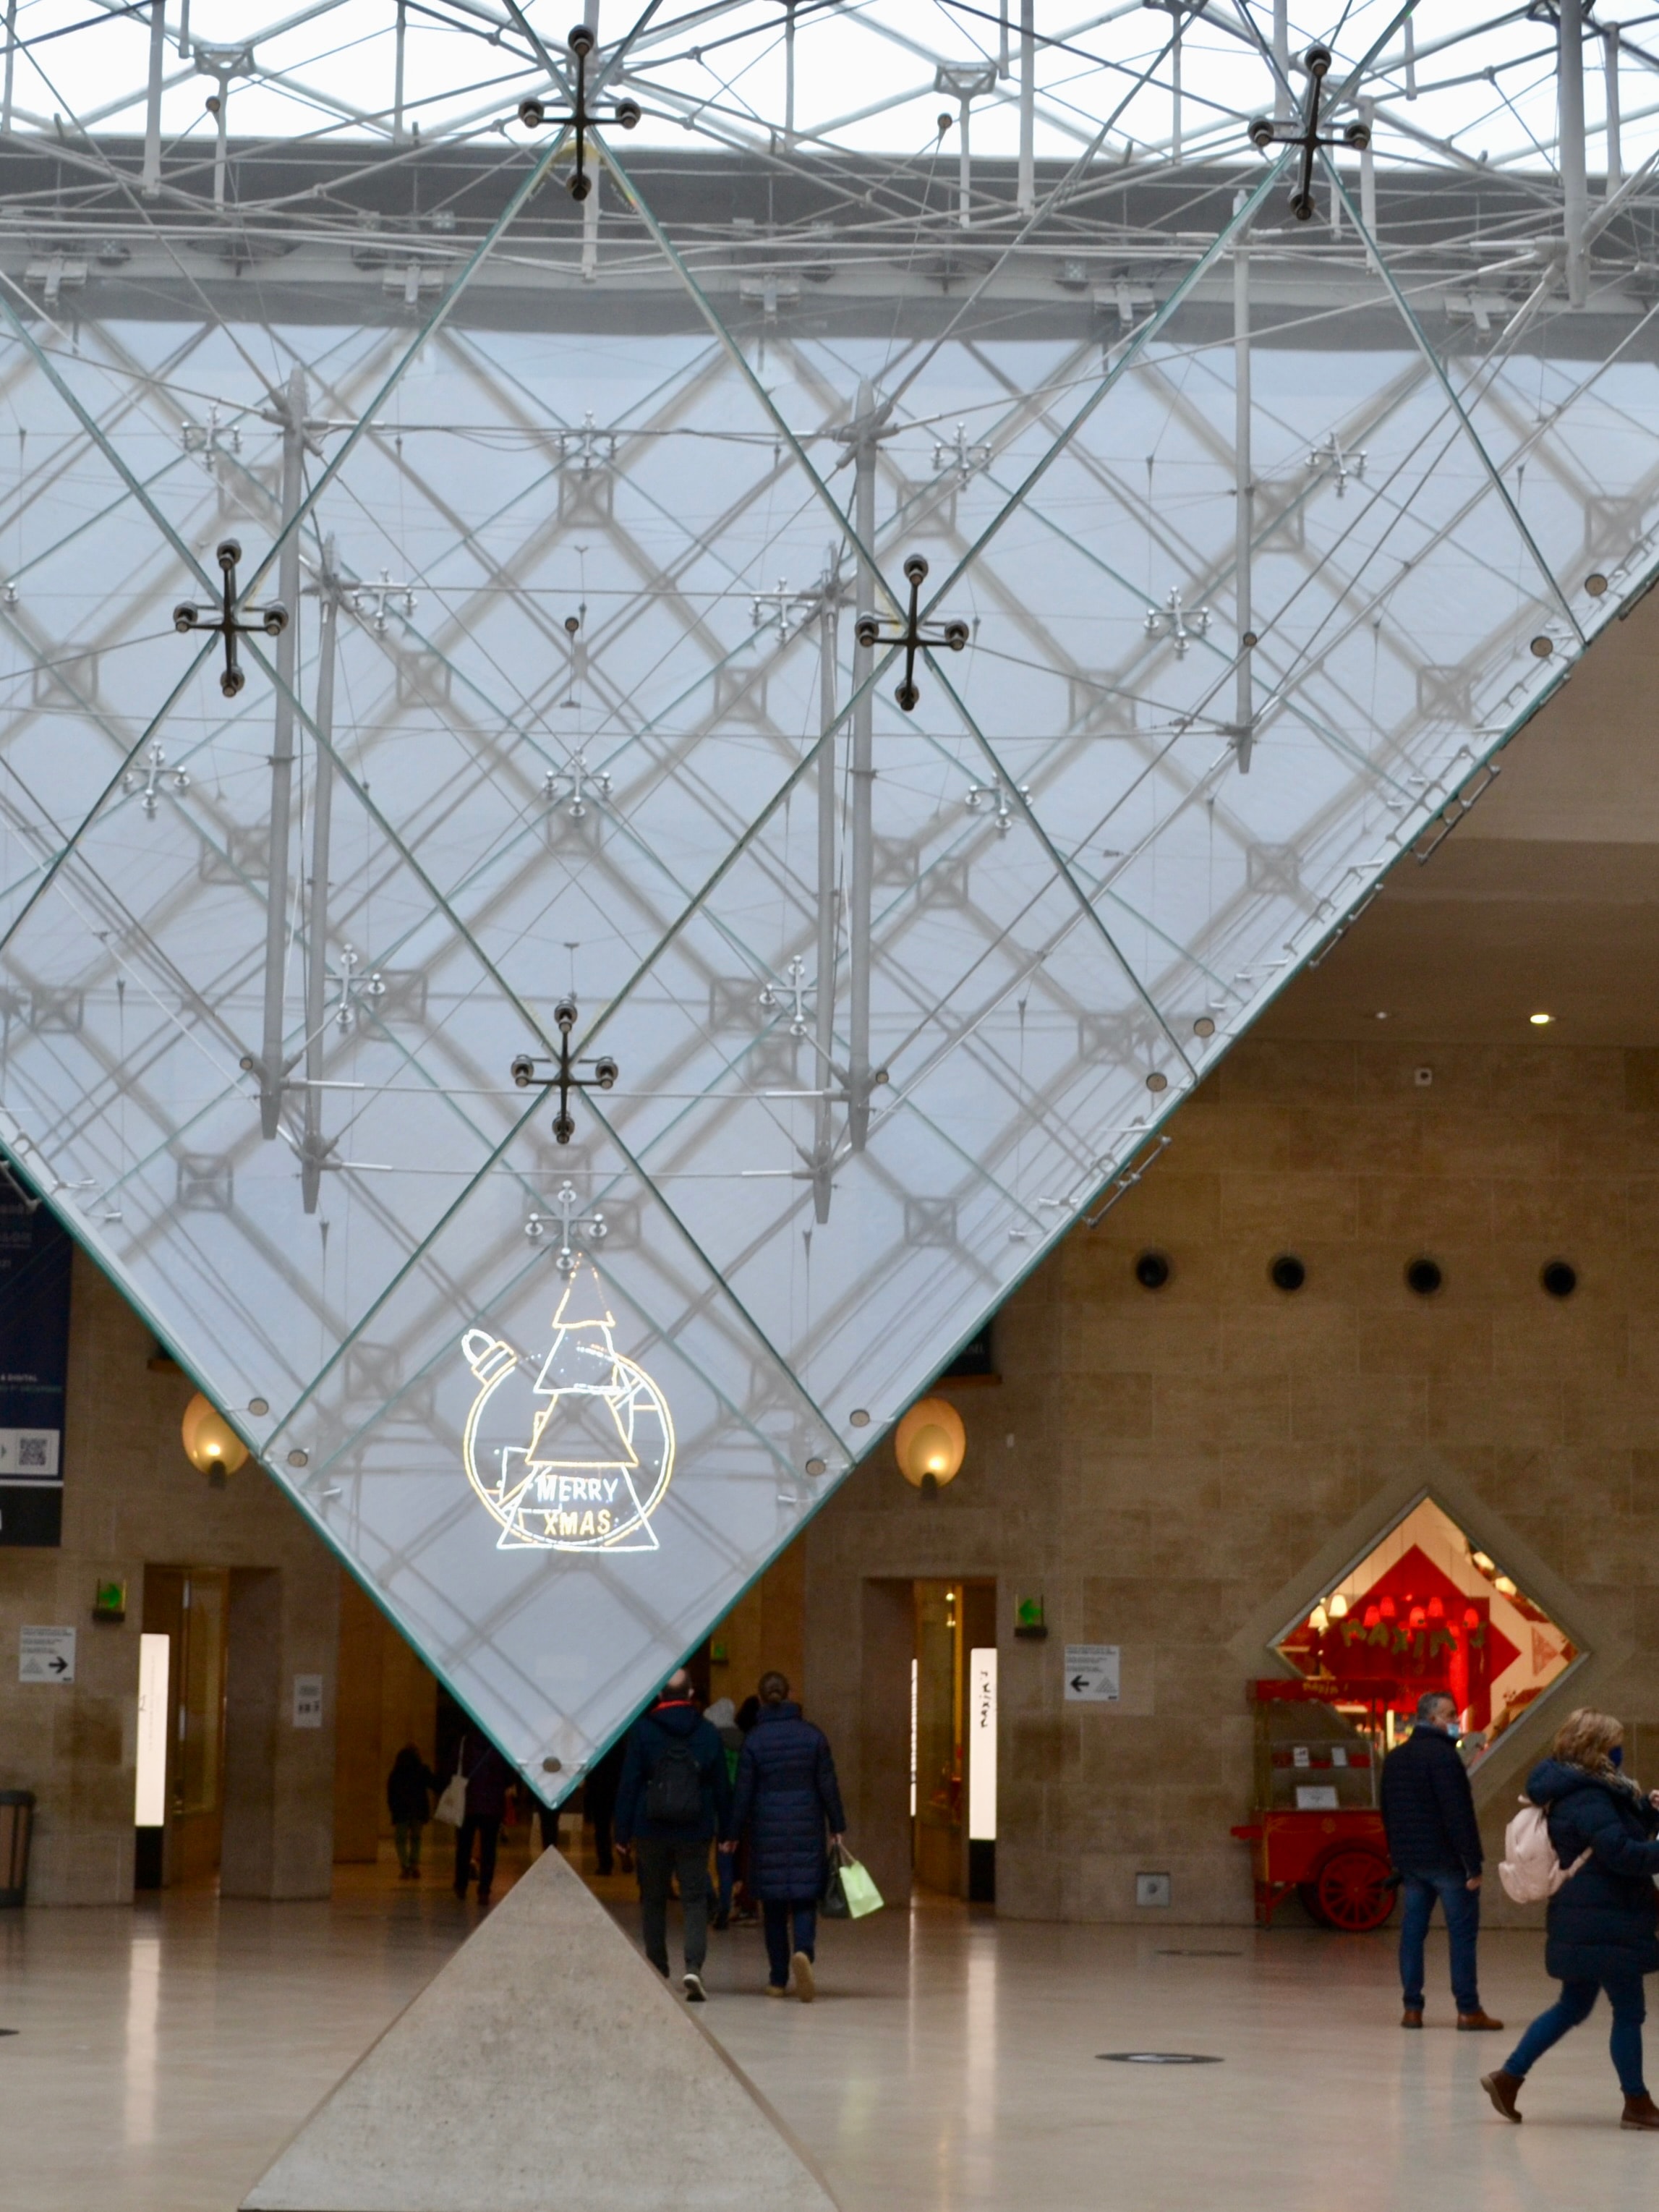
579 1459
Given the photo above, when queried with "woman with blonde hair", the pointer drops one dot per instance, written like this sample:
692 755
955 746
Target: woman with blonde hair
1602 1920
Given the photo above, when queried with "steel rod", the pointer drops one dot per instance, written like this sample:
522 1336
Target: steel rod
272 1070
824 1006
322 807
1575 187
863 776
1244 518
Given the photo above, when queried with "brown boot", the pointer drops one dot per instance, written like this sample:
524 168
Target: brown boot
1475 2020
1504 2088
1640 2112
1410 2017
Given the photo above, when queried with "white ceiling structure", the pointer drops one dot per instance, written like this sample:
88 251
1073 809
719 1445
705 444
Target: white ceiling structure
1261 531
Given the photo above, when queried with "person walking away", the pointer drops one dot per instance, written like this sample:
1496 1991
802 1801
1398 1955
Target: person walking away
722 1717
787 1798
674 1800
410 1789
488 1778
599 1802
1434 1841
1601 1922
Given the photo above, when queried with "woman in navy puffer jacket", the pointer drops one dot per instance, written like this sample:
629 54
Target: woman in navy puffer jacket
1601 1919
787 1796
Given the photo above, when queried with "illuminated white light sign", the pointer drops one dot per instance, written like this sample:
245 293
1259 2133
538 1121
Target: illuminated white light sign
580 1460
982 1745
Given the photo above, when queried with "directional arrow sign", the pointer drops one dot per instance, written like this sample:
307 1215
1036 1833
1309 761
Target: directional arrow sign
46 1655
1091 1673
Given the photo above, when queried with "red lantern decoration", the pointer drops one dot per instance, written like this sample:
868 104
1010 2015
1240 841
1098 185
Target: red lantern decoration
1471 1617
1389 1609
1419 1618
1437 1610
1373 1617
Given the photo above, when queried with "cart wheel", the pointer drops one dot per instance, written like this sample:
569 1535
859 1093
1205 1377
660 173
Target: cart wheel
1352 1892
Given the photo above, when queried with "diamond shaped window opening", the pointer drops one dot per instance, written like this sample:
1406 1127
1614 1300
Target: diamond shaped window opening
1426 1609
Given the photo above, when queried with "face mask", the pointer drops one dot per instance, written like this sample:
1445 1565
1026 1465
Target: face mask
1616 1756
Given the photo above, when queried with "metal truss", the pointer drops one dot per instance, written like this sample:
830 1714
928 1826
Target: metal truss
606 527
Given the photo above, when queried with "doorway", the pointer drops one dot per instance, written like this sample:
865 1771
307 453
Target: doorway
953 1737
178 1796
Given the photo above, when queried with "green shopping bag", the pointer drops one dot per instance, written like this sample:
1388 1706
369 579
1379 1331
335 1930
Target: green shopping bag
857 1887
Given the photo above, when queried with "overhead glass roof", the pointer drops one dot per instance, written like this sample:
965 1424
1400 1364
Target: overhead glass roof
1250 537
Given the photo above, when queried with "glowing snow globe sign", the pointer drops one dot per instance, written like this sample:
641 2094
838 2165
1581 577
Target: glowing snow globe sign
570 1446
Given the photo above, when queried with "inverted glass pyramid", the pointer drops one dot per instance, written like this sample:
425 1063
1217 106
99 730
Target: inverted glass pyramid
1238 543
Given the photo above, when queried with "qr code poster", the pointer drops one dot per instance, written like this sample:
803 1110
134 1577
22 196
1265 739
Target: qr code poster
29 1454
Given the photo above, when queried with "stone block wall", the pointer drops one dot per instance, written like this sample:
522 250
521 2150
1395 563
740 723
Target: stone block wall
130 1497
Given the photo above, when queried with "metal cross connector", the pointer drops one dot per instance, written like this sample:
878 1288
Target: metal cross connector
150 779
566 1210
272 620
914 635
1264 132
1181 623
564 1078
355 987
533 114
581 780
797 988
207 440
959 457
373 602
1342 464
984 795
775 609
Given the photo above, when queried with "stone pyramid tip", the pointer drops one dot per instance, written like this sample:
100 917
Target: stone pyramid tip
546 2067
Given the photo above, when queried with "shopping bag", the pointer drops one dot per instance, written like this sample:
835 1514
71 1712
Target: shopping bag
857 1887
452 1805
833 1904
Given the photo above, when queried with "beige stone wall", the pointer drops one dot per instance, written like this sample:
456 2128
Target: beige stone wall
1172 1470
130 1497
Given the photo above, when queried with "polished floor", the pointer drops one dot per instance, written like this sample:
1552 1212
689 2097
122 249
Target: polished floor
161 2054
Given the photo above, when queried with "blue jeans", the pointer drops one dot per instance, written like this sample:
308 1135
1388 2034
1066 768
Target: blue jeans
1572 2008
778 1913
1462 1906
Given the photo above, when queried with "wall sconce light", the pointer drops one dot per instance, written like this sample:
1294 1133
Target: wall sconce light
211 1445
931 1443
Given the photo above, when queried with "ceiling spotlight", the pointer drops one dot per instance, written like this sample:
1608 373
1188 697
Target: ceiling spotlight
1540 1020
1382 1014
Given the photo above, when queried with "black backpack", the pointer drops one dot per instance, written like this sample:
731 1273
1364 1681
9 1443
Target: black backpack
673 1795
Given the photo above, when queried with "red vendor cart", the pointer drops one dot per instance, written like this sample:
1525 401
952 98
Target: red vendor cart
1316 1832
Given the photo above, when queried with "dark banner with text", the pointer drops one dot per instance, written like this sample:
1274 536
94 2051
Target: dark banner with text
35 1254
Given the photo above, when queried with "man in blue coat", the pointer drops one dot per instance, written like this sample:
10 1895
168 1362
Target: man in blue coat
1434 1840
787 1797
674 1798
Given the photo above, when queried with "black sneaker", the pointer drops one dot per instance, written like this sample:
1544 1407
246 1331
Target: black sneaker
695 1991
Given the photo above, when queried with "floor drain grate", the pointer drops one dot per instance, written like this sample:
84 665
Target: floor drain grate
1160 2057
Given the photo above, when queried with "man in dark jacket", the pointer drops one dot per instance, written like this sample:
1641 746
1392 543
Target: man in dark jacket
1434 1840
787 1796
674 1798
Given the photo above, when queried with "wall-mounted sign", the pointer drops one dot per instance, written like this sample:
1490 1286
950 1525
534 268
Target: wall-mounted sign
982 1744
308 1701
46 1655
580 1458
35 1254
1091 1673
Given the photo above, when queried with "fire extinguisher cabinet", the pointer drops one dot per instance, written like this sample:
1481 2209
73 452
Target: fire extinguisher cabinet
16 1825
